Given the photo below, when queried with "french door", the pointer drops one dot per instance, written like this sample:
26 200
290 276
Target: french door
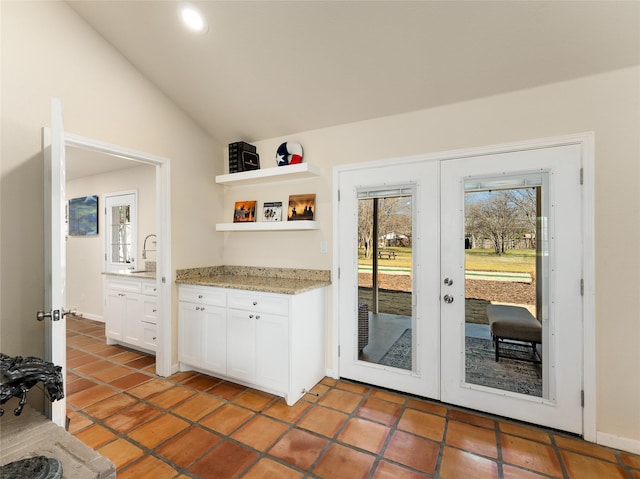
452 357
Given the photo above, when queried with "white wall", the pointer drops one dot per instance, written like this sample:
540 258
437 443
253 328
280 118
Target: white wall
85 254
608 104
48 51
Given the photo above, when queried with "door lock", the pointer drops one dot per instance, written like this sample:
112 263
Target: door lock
55 314
448 299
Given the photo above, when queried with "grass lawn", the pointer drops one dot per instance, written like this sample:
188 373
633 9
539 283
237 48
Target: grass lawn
513 261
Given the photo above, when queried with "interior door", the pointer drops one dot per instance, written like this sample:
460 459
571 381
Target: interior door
54 197
416 369
554 173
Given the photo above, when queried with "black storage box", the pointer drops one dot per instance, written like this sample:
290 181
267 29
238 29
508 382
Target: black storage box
236 155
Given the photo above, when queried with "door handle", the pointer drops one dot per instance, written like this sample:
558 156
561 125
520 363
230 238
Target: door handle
448 299
55 314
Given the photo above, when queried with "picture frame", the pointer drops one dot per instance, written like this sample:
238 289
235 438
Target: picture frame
272 211
83 216
244 211
301 207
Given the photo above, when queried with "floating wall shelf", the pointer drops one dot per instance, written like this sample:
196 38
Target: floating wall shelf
278 173
269 226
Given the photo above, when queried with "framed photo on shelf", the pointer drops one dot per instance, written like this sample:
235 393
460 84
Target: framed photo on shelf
272 211
244 212
301 207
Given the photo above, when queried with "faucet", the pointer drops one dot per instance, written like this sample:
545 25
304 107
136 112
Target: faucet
144 246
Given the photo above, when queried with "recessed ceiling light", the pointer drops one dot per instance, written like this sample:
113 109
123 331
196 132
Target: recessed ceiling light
193 18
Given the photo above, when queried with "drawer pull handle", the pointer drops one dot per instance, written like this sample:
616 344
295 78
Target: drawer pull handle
251 316
199 296
154 310
257 316
255 303
121 294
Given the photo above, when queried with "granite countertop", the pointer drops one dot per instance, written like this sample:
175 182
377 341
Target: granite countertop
132 274
270 280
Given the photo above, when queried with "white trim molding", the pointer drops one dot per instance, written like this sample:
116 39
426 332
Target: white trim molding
617 442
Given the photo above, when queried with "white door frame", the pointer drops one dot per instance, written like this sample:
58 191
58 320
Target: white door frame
163 222
586 142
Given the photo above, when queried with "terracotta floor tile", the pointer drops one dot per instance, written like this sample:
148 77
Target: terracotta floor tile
169 398
340 462
130 381
92 395
254 400
80 360
584 467
125 421
125 357
182 376
94 366
386 470
185 448
108 350
198 406
202 382
524 431
158 430
142 362
635 474
380 411
95 436
149 388
388 396
79 385
459 464
299 448
226 419
426 406
344 401
260 432
364 434
225 461
267 468
631 460
585 448
121 452
413 451
513 472
354 388
109 406
530 455
109 374
319 390
227 390
472 438
471 418
148 467
74 353
323 421
77 421
280 410
423 424
328 381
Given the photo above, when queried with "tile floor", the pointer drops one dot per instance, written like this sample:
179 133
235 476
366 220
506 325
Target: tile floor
195 426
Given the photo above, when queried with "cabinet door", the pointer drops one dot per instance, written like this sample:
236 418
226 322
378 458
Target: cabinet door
114 314
190 334
272 351
133 319
214 337
241 340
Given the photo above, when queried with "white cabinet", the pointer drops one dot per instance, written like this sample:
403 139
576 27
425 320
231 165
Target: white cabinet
202 339
273 342
130 312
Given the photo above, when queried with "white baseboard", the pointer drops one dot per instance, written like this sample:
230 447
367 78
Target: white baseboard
331 374
617 442
91 316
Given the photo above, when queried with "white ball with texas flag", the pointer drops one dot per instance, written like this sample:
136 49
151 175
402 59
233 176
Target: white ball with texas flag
289 154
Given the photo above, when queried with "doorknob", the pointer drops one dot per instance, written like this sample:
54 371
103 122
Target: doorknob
448 299
448 281
55 314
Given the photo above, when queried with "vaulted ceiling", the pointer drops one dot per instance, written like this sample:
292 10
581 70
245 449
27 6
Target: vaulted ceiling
272 68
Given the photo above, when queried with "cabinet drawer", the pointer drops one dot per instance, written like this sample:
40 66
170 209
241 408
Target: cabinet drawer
149 334
123 285
150 311
202 295
149 288
264 303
